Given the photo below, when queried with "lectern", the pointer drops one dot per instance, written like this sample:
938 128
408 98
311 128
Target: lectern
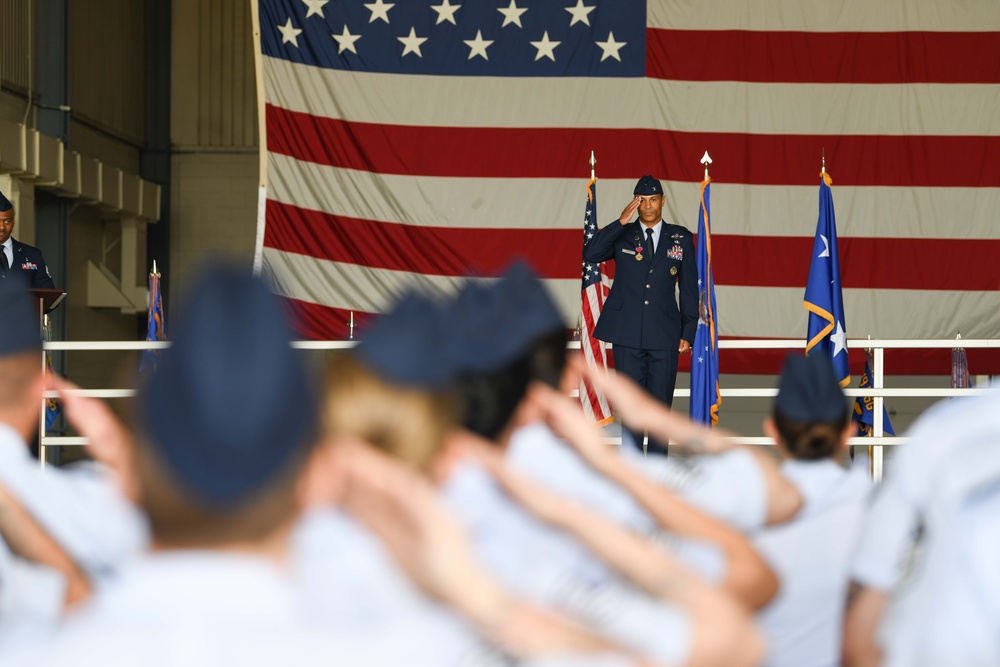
47 299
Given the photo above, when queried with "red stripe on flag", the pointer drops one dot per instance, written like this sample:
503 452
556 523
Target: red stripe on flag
865 263
824 57
314 322
756 159
775 261
553 253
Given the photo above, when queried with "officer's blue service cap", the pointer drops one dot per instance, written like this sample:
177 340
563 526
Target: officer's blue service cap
407 345
5 204
230 404
809 390
495 324
19 330
648 185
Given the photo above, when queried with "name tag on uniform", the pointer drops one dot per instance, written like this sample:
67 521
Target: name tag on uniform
677 253
627 251
28 266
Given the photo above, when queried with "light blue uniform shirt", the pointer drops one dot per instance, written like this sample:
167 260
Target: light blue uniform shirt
549 568
811 554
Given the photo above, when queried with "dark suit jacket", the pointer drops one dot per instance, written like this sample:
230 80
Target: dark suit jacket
29 267
641 311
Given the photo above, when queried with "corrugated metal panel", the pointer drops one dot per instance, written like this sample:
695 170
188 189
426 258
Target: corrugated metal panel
16 28
106 68
227 106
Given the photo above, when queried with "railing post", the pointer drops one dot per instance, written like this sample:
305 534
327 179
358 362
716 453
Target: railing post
878 426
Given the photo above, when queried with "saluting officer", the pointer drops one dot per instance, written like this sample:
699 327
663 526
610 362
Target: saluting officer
641 317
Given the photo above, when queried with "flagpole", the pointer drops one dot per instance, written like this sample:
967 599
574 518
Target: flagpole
593 161
706 160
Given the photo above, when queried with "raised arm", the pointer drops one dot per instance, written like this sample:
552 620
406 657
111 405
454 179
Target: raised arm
428 544
28 540
748 577
602 247
722 630
637 407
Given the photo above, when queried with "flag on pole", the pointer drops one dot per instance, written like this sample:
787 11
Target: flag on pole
824 298
864 406
53 407
594 290
960 368
705 396
155 322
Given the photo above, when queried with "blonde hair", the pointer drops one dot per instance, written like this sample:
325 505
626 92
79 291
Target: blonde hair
408 423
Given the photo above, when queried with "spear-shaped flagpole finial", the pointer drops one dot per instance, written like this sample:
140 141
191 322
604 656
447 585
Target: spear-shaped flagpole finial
593 161
155 272
351 333
823 164
706 160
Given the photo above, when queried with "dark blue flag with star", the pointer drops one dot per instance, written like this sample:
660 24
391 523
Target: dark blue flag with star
824 299
705 396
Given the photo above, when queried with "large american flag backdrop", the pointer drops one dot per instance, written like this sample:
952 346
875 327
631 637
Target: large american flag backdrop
419 141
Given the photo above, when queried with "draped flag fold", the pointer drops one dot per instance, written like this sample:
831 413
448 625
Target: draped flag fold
960 369
824 299
594 291
864 406
705 396
53 408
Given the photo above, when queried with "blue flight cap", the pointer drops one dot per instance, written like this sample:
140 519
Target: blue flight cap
230 405
809 390
495 324
19 328
407 345
648 185
5 204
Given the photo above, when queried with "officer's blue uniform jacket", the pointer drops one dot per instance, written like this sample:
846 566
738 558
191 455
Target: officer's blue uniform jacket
641 311
29 267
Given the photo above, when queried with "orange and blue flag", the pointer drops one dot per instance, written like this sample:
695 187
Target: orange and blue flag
155 323
705 396
864 407
824 299
53 408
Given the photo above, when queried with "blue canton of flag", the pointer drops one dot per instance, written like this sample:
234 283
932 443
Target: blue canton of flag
705 396
155 325
593 292
864 407
824 298
459 39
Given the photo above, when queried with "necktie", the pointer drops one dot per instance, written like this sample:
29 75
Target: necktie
649 237
3 261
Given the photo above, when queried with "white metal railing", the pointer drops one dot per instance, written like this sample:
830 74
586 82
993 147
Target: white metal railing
878 391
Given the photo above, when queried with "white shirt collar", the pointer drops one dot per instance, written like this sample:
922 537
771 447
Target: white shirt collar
657 228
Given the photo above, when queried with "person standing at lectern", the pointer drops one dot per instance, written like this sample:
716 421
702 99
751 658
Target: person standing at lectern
641 317
20 261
